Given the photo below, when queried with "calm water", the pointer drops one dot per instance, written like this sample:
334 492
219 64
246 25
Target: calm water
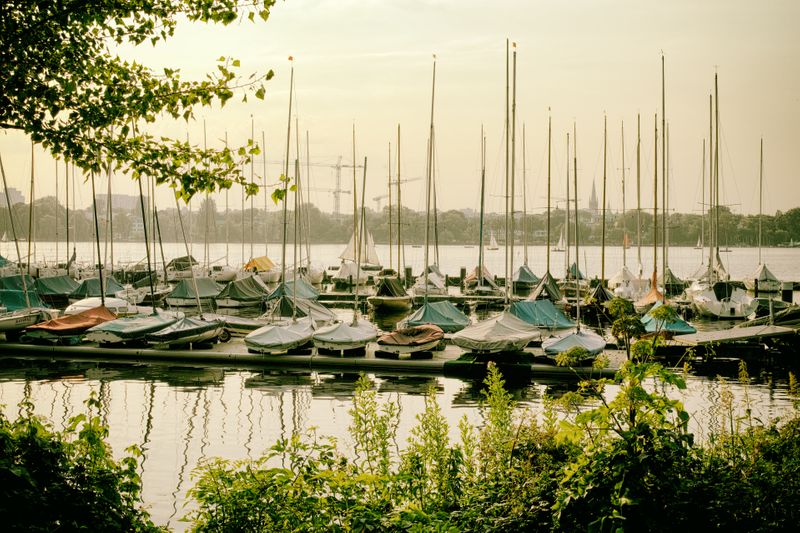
181 415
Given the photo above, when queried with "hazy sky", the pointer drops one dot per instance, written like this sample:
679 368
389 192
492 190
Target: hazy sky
368 63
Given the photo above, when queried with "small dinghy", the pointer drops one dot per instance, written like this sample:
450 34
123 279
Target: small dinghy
188 330
343 337
118 306
503 333
70 325
281 338
411 340
132 328
582 337
389 296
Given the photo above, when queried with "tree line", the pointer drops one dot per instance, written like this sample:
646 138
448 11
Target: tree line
448 227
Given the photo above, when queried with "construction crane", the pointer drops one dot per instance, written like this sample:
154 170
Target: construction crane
337 190
378 199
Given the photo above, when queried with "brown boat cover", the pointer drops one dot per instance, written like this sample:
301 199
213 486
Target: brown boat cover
76 324
412 336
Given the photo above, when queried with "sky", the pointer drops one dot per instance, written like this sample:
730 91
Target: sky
367 64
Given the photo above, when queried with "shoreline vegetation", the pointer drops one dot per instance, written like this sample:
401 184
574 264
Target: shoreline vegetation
453 227
585 463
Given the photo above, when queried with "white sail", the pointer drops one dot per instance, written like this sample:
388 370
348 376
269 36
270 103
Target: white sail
368 254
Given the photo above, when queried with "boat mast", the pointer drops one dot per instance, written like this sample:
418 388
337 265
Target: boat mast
56 212
483 192
286 178
14 235
428 182
663 179
266 193
624 222
703 201
507 275
639 191
206 248
252 182
711 268
549 142
510 280
524 203
716 170
399 208
389 200
760 195
603 227
655 206
227 228
577 226
30 216
566 219
97 241
66 205
360 234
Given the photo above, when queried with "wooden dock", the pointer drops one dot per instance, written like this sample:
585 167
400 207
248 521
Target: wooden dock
734 335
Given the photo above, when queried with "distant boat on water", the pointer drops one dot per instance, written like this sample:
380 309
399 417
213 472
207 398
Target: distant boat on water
492 243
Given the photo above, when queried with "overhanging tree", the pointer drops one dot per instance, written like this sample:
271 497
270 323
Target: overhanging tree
62 84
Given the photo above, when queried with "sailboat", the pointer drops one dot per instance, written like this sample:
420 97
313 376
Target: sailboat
411 341
523 278
547 288
11 323
442 314
560 245
762 280
480 280
503 333
579 337
350 337
713 295
492 242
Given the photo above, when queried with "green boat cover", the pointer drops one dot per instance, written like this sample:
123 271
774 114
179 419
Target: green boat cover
91 288
302 307
14 300
673 284
525 276
3 261
574 273
302 288
135 327
56 286
15 282
443 314
245 289
389 287
206 287
547 289
677 326
182 263
600 295
541 313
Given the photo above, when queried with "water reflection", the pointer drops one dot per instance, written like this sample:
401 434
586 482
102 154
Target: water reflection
180 416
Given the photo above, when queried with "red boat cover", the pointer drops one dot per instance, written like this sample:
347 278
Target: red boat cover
75 324
413 336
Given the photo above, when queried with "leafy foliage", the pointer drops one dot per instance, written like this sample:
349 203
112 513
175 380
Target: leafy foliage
67 481
63 85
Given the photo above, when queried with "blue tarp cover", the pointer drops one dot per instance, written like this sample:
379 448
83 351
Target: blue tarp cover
541 313
443 314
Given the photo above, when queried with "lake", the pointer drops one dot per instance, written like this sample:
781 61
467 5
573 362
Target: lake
180 415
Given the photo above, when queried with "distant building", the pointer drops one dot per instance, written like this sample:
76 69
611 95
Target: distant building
593 200
120 201
15 196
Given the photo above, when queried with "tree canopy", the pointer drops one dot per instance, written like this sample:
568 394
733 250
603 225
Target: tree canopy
64 86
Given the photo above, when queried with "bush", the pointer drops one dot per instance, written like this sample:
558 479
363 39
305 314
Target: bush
67 481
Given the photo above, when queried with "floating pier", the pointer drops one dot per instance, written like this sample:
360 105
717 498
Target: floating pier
450 362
